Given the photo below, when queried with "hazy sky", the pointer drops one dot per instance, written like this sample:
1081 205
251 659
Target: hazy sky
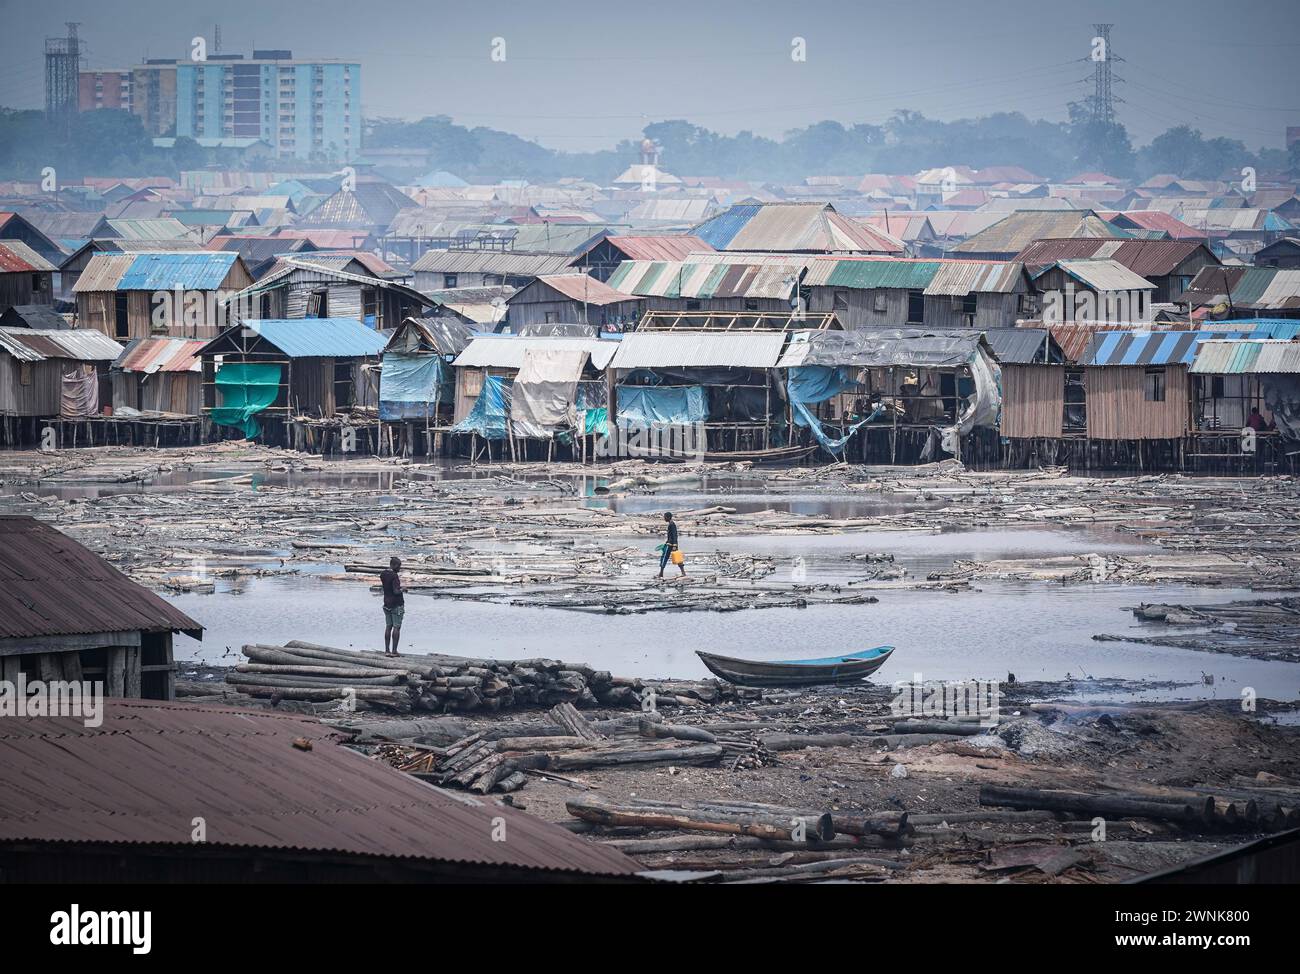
584 75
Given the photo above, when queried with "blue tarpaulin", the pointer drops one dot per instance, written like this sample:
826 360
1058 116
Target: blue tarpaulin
817 383
410 386
647 406
490 416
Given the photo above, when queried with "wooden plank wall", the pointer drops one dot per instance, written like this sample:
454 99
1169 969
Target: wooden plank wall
1118 408
1033 400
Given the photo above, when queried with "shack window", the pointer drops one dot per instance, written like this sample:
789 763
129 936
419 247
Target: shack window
915 307
880 302
692 306
840 301
25 373
318 304
968 305
121 318
1155 385
751 304
1216 387
449 280
36 282
552 317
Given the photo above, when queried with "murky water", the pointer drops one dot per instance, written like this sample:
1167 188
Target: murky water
1038 630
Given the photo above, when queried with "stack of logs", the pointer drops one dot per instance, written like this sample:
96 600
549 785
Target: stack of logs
438 683
483 763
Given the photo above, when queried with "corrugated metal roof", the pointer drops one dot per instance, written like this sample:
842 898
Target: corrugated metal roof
489 262
1149 258
52 586
79 344
665 350
1253 356
1017 230
719 231
17 258
1269 288
195 271
792 227
1149 348
318 337
508 351
868 274
661 247
103 272
707 279
1102 275
150 767
1019 346
961 277
161 355
577 287
162 228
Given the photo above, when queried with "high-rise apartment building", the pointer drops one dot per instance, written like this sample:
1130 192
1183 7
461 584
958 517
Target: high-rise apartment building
306 109
104 89
302 109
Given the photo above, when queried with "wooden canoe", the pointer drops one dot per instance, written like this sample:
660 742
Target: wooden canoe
848 668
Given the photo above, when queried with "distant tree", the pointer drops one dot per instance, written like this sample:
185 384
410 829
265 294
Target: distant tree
188 154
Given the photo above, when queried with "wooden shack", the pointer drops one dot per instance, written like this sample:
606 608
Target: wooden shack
176 294
159 375
51 374
573 297
299 288
26 277
282 369
66 614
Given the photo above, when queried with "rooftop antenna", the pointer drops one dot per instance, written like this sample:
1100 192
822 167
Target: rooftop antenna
216 38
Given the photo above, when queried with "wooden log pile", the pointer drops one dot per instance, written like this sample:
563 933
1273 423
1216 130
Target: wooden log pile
437 683
482 763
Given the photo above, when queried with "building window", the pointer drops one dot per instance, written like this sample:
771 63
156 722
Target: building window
915 307
840 301
880 302
968 305
1155 385
692 305
551 318
751 304
449 280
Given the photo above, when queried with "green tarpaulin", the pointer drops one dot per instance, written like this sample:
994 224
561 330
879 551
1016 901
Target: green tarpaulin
246 388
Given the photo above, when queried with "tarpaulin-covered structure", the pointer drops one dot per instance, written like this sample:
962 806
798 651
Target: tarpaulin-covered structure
723 379
322 366
945 382
244 390
556 384
416 376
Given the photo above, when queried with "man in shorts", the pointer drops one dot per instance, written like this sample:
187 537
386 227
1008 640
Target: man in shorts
394 605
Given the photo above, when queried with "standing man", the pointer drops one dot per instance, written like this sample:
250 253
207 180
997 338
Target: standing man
670 548
394 605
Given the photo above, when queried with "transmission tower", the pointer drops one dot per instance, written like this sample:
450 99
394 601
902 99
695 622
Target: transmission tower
62 65
1102 101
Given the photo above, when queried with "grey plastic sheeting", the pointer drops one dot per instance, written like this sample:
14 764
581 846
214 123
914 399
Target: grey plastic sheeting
884 348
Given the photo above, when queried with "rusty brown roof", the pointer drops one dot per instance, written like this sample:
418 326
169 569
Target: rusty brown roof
52 586
150 768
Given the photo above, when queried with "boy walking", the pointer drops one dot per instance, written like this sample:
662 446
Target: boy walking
670 548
